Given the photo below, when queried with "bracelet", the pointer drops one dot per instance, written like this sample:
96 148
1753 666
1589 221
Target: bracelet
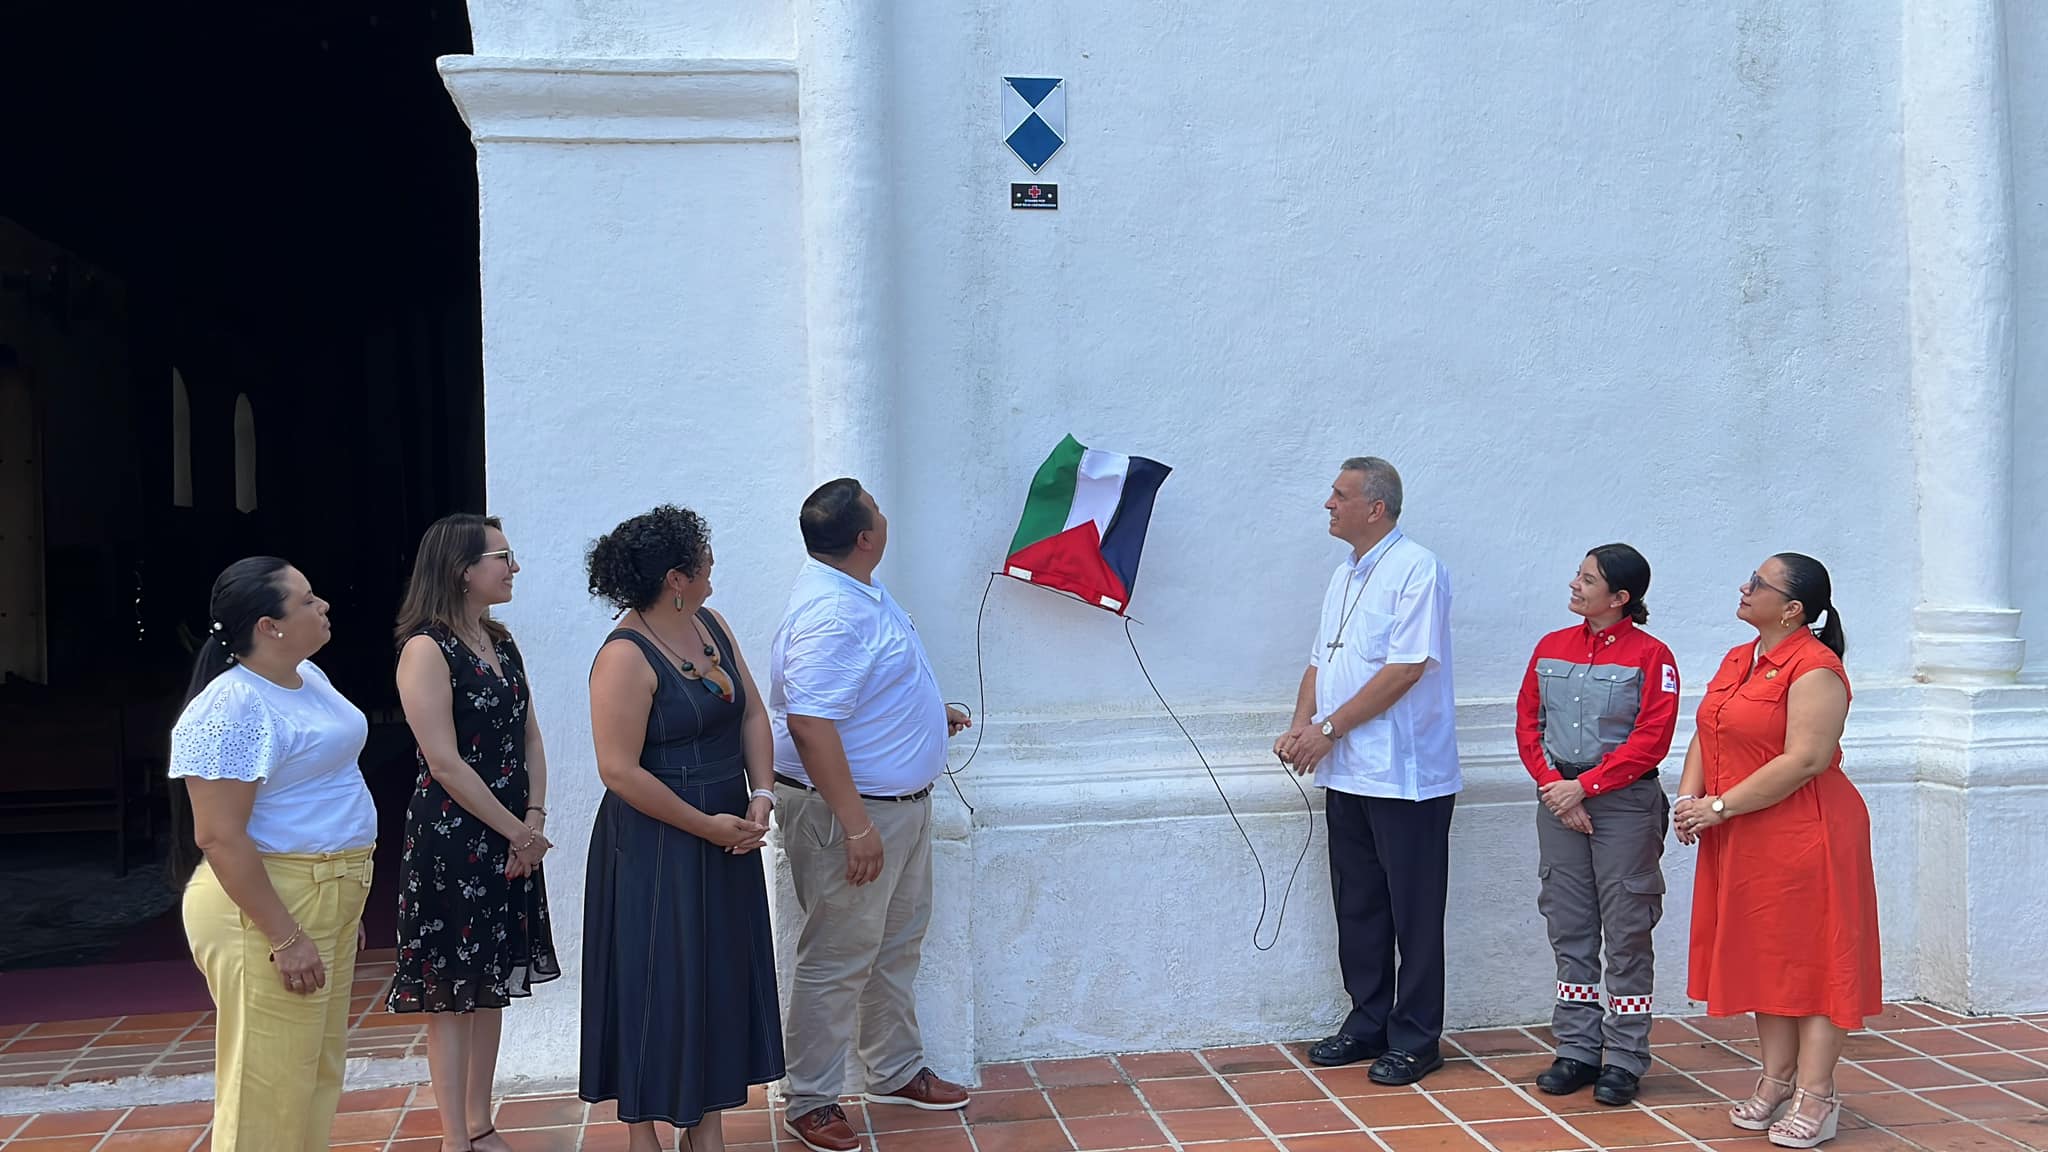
862 836
536 808
767 794
531 837
298 933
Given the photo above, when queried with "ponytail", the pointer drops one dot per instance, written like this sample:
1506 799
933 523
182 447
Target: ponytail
1625 570
245 592
1806 580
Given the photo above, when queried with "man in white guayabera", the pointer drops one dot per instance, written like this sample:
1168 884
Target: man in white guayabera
1375 720
860 738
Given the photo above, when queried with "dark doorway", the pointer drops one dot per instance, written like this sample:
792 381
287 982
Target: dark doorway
238 315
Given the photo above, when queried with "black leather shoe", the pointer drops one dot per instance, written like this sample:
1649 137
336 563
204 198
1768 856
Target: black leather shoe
1398 1068
1342 1049
1616 1086
1567 1076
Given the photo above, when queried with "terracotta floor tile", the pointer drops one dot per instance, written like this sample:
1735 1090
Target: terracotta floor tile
1981 1102
1255 1144
1521 1069
1304 1117
1106 1132
895 1119
1959 1137
1207 1124
1022 1136
1005 1107
2031 1132
1250 1058
361 1126
1097 1100
69 1123
1275 1087
2011 1035
929 1140
25 1044
1672 1030
1701 1121
1441 1138
1942 1042
169 1116
1074 1073
1660 1090
1001 1076
1157 1065
2000 1067
2035 1090
1701 1057
1893 1109
58 1144
153 1140
1528 1136
1460 1074
1487 1104
1624 1128
91 1027
1916 1074
742 1127
1181 1095
1939 1014
546 1112
1498 1042
545 1140
1325 1142
376 1099
1401 1110
1723 1027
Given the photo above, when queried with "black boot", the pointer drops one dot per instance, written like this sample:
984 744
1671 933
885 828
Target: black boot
1567 1076
1616 1086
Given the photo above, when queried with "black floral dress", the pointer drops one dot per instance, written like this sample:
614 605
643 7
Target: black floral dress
468 938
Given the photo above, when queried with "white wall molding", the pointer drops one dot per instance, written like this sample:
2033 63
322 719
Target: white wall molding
1961 251
624 101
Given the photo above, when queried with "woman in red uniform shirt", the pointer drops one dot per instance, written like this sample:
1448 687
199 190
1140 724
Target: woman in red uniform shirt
1594 719
1784 912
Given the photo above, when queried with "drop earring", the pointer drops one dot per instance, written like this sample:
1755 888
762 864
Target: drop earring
679 603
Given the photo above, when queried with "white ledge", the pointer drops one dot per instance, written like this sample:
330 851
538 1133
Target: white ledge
512 100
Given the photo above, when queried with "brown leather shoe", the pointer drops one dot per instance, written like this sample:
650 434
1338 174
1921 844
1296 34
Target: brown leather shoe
925 1091
823 1130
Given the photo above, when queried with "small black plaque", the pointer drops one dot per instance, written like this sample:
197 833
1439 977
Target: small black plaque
1035 195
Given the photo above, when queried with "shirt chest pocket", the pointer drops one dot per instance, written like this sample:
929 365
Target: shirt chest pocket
1372 632
1554 685
1615 695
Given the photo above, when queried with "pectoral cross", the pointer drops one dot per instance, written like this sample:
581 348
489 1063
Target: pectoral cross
1333 646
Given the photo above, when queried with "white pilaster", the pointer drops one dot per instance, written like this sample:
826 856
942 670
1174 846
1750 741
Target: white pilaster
1959 223
843 63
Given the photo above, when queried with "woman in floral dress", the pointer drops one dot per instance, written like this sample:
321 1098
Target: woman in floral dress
472 908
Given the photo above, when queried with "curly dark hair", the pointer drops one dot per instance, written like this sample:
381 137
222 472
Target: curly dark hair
629 564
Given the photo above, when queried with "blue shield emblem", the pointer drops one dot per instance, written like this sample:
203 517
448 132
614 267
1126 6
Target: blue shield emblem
1034 117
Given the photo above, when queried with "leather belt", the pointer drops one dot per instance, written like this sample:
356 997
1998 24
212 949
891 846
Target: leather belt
1574 771
920 794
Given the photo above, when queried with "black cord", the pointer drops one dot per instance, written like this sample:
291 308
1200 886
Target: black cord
980 696
1307 807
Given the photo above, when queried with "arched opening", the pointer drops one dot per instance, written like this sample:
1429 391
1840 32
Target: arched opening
181 442
245 455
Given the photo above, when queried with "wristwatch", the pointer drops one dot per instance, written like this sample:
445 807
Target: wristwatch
1719 807
1330 729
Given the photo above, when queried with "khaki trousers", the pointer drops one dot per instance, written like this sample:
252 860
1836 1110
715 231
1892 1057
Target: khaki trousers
277 1055
858 950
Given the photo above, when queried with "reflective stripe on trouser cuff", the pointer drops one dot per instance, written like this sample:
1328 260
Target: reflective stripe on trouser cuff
1629 1005
1578 993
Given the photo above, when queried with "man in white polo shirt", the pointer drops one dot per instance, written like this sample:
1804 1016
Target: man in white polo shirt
860 738
1375 720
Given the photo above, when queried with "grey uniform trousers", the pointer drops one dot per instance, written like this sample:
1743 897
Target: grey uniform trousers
1606 888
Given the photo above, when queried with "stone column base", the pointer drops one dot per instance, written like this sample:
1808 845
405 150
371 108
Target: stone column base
1967 645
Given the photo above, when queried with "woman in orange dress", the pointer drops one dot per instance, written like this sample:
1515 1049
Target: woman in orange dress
1784 911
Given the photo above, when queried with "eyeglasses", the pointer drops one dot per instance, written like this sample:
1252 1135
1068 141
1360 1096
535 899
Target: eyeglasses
1755 582
505 552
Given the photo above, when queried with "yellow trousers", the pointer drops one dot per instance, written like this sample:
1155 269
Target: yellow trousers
278 1055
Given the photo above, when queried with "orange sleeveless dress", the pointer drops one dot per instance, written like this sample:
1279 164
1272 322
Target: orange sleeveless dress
1784 902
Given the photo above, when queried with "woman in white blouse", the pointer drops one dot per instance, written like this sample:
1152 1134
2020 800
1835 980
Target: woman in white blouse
267 751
